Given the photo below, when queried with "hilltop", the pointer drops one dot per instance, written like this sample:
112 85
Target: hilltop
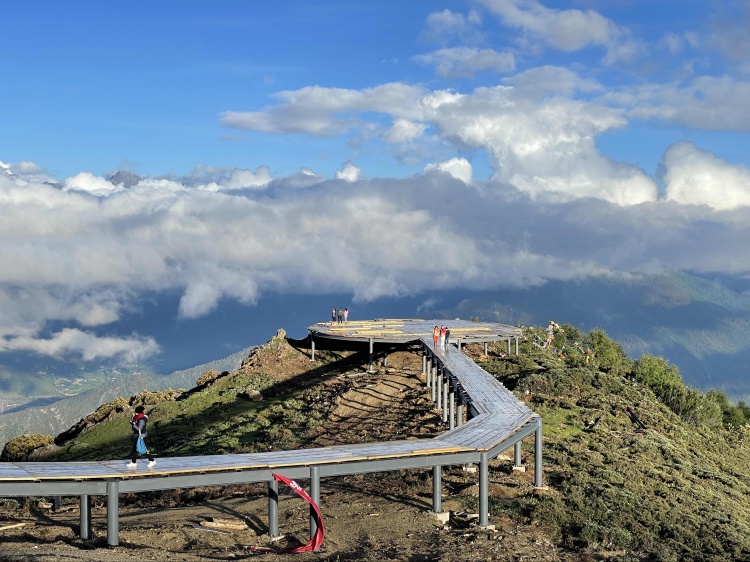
637 465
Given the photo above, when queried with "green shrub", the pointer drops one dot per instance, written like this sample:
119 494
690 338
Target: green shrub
665 381
21 447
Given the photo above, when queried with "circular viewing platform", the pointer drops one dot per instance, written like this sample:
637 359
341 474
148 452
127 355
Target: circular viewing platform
405 330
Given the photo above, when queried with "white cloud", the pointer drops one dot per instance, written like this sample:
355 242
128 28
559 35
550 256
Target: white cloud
674 43
348 172
88 346
247 178
323 112
82 261
539 143
706 102
446 23
696 177
459 168
404 130
459 62
566 30
544 146
88 182
551 81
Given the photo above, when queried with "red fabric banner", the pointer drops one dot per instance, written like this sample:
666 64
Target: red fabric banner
317 540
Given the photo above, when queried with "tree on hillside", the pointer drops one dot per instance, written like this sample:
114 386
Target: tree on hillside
609 354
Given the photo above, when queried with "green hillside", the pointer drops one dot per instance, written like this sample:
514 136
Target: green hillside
639 466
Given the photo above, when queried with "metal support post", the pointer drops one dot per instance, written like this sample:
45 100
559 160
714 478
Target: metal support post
484 484
538 455
315 495
508 346
452 412
516 346
437 485
85 528
445 400
371 354
460 414
273 508
485 349
517 454
439 391
312 347
113 515
424 369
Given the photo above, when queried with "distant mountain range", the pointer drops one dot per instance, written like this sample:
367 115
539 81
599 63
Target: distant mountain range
700 325
51 416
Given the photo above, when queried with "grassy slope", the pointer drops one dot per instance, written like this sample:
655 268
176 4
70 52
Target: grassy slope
670 492
221 417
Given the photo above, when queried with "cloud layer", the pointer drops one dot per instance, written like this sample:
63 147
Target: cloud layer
81 254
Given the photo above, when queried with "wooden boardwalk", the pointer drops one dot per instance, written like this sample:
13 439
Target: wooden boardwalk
496 421
406 330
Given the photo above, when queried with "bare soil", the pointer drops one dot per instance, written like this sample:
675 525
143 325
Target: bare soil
384 516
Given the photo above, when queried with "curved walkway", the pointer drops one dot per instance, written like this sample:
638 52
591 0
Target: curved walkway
495 421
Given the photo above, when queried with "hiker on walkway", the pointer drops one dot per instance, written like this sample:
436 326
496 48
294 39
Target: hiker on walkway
435 336
447 338
138 422
333 315
341 315
442 336
346 315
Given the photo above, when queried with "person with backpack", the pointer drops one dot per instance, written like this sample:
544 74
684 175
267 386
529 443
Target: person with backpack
138 423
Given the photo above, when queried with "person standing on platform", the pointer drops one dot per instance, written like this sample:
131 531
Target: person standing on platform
341 315
442 337
435 336
447 338
346 315
333 315
138 423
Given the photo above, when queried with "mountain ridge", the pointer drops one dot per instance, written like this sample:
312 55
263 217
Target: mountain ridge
637 466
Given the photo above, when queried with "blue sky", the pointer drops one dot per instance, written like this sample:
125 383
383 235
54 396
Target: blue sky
373 148
96 86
